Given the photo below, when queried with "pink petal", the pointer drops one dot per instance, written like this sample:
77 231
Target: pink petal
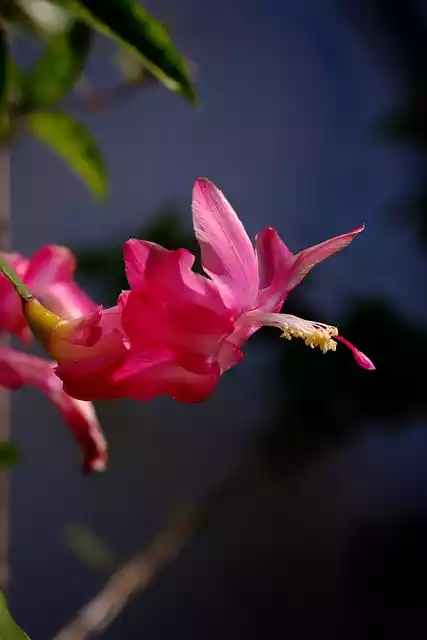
50 264
90 379
138 255
305 260
362 360
50 277
145 376
151 267
66 299
176 324
229 355
17 369
227 253
275 263
12 319
98 334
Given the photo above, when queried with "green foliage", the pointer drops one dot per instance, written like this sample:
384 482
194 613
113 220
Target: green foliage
9 630
3 63
9 455
90 548
57 70
72 142
28 17
126 22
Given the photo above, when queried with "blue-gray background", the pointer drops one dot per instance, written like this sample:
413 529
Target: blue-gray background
289 95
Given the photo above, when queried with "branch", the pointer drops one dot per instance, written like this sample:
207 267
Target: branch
136 575
132 577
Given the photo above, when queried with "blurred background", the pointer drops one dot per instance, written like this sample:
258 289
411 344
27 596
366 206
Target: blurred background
312 118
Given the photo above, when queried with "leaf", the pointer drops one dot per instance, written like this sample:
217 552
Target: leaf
131 25
90 548
3 64
9 630
59 67
40 18
9 455
74 144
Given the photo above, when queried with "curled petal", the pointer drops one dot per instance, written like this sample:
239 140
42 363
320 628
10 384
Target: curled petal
275 263
151 268
305 260
227 253
140 256
18 369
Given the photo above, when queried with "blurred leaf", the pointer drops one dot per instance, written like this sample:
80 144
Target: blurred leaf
9 630
72 142
59 67
130 66
89 548
15 79
3 64
40 18
9 455
131 25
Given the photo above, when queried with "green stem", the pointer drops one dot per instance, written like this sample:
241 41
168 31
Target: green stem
16 282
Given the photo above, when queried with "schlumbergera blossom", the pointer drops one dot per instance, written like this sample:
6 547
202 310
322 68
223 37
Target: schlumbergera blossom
49 274
176 331
18 369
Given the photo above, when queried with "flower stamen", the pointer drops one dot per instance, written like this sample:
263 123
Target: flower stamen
314 334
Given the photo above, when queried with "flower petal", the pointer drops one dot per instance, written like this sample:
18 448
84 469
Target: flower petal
17 369
138 256
51 263
154 373
12 319
151 267
305 260
275 263
50 277
181 326
282 271
67 300
227 253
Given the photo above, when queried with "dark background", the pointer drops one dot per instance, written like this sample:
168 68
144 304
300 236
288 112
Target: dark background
313 119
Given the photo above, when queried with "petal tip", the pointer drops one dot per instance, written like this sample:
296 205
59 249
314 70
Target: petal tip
360 228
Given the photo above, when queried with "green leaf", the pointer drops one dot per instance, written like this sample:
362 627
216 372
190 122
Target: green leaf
90 548
3 64
37 18
58 68
74 144
9 455
9 630
131 25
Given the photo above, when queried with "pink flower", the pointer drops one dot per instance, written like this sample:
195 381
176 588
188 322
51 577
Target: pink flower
18 369
88 349
49 275
184 329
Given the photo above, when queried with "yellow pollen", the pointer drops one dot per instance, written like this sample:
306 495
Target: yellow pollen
313 335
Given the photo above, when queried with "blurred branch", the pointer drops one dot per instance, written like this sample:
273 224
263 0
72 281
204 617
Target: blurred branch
133 576
136 574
